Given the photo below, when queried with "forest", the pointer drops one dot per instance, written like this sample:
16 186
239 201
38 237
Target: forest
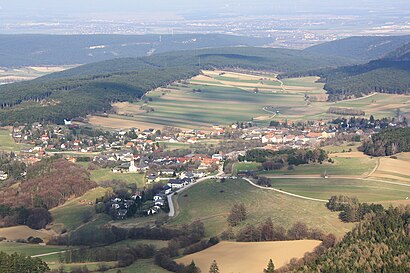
388 74
380 243
48 184
387 142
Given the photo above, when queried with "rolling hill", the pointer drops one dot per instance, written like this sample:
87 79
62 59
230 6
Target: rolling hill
361 48
92 88
44 50
390 74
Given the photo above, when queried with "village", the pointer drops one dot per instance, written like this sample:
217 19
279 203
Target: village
170 156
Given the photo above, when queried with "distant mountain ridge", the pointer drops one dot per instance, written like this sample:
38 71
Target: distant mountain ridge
38 49
361 48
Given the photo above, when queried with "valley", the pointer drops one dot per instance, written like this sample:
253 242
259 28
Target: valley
237 154
224 97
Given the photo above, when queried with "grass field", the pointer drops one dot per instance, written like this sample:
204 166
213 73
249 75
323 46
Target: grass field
7 143
230 97
249 257
246 166
29 249
211 201
106 174
366 191
73 213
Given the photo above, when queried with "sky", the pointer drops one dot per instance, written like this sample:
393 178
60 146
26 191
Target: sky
90 7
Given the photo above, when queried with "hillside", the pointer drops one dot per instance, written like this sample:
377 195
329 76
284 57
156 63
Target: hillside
92 88
380 243
390 74
36 50
362 48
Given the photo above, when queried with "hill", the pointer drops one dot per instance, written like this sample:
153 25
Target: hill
380 243
92 88
390 74
362 48
28 50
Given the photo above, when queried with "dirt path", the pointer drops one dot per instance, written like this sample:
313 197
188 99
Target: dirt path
375 168
270 112
284 192
360 98
48 254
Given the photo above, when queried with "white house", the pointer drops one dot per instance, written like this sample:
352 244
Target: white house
3 176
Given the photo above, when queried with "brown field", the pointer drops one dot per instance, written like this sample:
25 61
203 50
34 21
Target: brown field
238 75
207 78
233 257
118 123
350 154
23 232
395 169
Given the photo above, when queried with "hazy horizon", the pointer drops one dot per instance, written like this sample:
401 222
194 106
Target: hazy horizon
90 8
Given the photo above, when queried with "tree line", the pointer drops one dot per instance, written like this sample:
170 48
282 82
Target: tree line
284 157
387 142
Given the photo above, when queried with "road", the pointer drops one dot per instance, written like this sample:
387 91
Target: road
170 199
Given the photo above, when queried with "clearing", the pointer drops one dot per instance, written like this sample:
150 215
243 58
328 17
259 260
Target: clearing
249 257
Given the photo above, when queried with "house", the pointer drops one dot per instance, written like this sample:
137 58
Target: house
3 176
179 183
159 202
153 178
167 189
159 197
167 172
219 157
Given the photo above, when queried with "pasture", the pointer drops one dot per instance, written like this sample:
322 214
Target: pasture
29 249
222 97
211 201
7 143
76 212
101 175
321 188
249 257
